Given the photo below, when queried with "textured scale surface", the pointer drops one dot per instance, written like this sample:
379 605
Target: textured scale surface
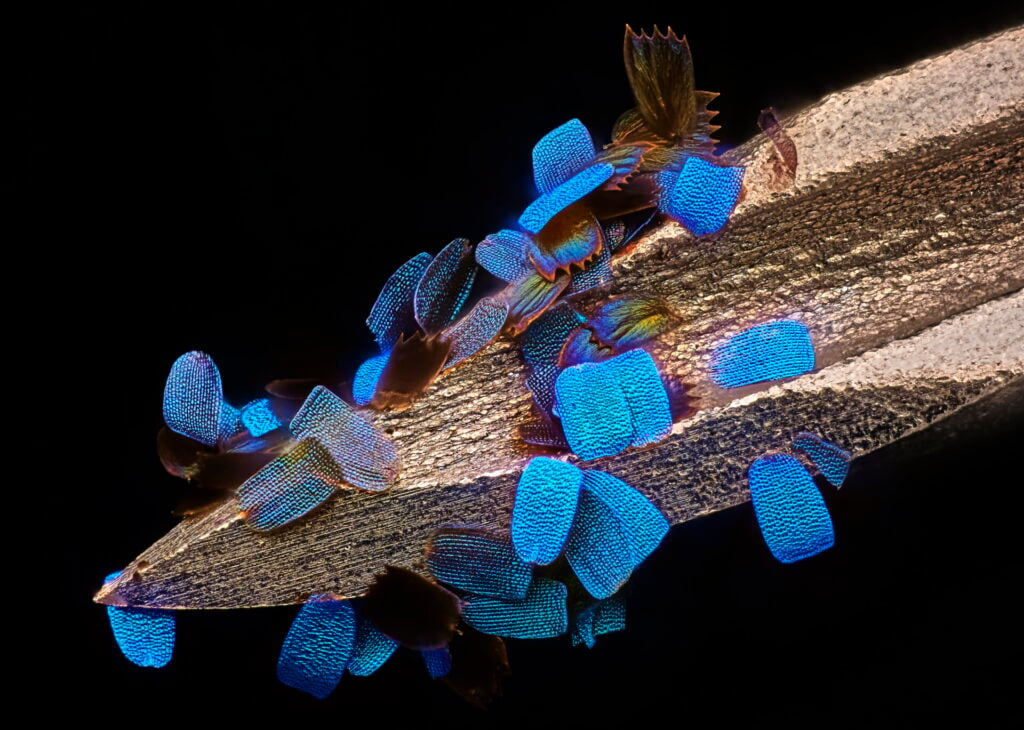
859 322
371 650
290 486
768 351
560 154
437 661
625 159
832 461
581 627
543 431
478 560
660 71
445 286
641 383
610 615
581 347
393 312
503 254
541 614
481 325
529 297
259 418
547 206
570 241
599 548
364 384
365 457
597 618
318 646
598 272
230 422
144 635
595 415
703 195
541 346
627 322
544 508
645 526
193 397
792 515
607 406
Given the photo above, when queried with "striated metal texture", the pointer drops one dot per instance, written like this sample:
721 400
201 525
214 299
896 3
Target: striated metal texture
908 210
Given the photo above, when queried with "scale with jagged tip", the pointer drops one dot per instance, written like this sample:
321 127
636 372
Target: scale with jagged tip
698 342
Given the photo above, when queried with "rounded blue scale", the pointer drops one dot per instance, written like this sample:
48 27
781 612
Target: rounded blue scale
318 646
544 509
768 351
792 515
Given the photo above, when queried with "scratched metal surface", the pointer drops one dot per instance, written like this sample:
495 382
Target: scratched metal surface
864 254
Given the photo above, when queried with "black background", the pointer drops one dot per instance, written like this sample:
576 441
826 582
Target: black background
242 180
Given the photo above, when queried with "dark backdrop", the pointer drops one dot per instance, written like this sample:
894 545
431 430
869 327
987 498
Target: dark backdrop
242 181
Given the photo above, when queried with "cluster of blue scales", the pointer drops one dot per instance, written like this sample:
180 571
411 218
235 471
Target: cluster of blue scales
597 391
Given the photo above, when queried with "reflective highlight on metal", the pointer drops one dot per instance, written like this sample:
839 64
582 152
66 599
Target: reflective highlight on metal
644 524
364 384
437 661
767 351
544 508
372 649
793 517
290 486
476 330
608 406
832 461
560 154
445 286
318 645
503 254
259 418
193 396
393 312
145 636
365 457
541 614
478 560
550 204
598 548
703 195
